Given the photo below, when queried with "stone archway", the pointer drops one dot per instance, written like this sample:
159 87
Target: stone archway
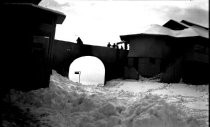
88 70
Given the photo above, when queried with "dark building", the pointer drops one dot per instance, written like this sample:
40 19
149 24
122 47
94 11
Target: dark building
148 53
27 35
195 67
175 50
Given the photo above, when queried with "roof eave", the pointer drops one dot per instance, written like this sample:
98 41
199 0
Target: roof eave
58 16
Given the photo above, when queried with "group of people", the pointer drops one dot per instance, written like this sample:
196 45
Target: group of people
114 46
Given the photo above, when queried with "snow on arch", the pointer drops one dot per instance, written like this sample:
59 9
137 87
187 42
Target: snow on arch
91 69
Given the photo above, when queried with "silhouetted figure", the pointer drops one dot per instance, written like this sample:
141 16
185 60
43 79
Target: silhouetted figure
79 41
121 47
117 47
126 45
114 45
109 45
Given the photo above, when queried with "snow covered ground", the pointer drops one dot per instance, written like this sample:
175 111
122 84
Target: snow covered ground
194 100
121 103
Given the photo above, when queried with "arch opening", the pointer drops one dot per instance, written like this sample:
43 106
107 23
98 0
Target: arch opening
87 70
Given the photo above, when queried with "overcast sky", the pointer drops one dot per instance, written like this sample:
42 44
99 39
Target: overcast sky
98 22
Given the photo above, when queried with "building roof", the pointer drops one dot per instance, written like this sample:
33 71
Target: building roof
22 1
11 8
170 29
174 25
193 24
157 29
201 30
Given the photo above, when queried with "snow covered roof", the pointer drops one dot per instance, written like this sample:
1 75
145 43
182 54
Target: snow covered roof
200 30
187 31
160 30
193 24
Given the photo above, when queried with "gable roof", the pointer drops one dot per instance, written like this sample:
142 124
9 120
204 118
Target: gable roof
200 30
21 1
174 29
161 30
174 25
193 24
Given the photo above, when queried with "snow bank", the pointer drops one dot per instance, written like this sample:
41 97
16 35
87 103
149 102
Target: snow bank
69 104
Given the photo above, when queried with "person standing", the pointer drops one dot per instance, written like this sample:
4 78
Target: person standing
109 45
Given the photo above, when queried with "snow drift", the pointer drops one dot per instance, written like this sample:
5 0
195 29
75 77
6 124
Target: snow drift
69 104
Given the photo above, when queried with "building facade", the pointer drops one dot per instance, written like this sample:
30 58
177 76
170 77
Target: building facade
174 51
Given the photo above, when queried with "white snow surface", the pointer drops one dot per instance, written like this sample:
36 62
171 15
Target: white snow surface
121 103
188 32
